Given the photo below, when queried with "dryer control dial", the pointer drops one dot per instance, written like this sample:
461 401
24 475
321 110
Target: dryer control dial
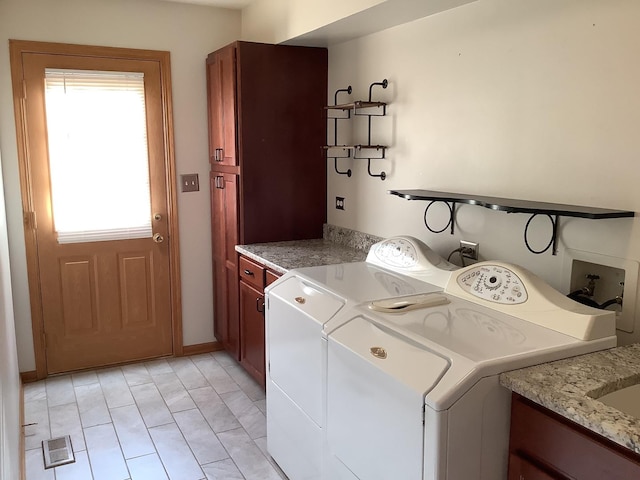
494 283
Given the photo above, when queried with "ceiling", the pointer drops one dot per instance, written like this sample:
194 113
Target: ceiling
234 4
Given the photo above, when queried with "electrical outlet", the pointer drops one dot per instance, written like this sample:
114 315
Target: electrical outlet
470 249
339 203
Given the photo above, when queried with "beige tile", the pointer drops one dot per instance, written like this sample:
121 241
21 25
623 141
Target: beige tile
115 388
36 413
262 405
175 454
107 462
65 420
222 470
223 358
136 374
247 456
92 405
203 442
34 466
147 467
156 367
173 392
79 470
249 416
211 398
188 373
84 378
262 445
151 405
215 374
214 410
35 391
59 390
246 382
132 432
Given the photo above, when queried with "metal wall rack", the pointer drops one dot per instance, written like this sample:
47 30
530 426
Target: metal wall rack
367 108
551 210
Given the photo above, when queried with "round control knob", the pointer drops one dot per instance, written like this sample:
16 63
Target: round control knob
492 282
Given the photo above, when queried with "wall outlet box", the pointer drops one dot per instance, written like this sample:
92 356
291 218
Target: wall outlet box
339 203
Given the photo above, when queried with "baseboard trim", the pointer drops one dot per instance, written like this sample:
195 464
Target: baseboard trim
28 377
201 348
23 461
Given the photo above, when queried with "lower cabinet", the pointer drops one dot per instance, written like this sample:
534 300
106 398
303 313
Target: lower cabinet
254 277
544 445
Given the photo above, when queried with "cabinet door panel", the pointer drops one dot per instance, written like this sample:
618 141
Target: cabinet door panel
221 78
521 469
224 236
252 351
564 446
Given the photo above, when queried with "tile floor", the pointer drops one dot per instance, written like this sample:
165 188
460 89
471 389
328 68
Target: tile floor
188 418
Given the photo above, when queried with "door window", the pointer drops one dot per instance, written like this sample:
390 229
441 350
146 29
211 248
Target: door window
98 155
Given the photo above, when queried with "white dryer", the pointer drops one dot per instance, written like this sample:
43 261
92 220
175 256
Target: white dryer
415 395
298 306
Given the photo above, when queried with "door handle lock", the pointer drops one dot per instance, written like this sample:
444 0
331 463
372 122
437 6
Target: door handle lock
158 238
157 216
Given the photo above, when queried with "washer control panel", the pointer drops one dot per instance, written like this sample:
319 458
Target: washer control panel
397 252
494 283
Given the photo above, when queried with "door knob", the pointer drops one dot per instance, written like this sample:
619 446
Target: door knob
158 238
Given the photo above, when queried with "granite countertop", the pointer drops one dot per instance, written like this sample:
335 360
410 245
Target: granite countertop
570 387
285 256
337 245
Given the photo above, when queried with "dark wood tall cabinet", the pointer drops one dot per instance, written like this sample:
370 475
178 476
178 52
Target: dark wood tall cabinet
267 126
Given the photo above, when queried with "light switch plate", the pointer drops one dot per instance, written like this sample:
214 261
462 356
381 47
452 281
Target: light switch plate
189 182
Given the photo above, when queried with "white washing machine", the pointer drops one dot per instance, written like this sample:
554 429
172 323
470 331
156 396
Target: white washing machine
415 395
298 307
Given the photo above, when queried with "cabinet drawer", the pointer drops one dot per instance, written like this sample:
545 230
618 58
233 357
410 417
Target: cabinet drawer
252 273
271 277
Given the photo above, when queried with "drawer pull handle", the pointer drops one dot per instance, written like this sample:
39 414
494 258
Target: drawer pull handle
248 272
378 352
300 300
260 305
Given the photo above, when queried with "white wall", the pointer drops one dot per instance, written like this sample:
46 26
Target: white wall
189 32
530 99
275 21
9 377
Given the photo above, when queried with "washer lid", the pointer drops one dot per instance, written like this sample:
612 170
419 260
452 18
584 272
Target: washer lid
415 365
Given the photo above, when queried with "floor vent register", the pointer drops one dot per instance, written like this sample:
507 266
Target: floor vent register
57 451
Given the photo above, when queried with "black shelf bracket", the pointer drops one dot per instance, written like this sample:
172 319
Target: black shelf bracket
369 109
346 172
382 175
452 211
553 242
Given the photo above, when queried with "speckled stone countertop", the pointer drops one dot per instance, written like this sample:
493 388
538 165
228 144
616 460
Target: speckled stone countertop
570 387
339 245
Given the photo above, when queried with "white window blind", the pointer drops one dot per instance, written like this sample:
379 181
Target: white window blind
98 156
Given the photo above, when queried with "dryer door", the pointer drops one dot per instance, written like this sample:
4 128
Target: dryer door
377 381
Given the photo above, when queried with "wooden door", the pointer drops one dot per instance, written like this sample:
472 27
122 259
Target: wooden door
224 232
109 301
221 81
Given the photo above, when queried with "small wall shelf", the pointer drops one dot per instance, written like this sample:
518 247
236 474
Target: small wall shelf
552 210
366 151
